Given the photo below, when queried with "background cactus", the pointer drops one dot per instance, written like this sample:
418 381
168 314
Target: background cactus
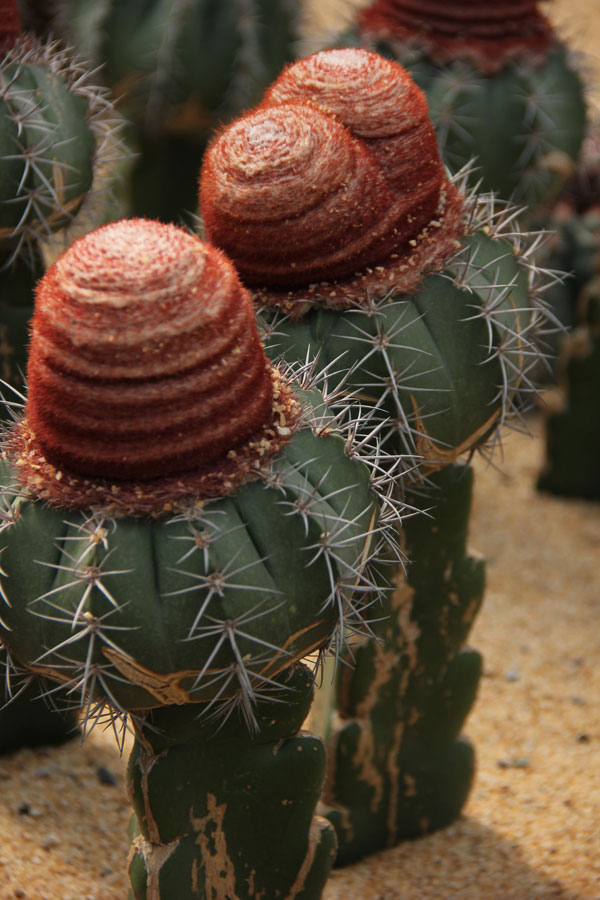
572 421
58 132
501 87
572 424
183 580
179 69
420 301
410 692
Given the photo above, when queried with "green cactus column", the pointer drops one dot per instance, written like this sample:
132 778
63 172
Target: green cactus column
182 526
398 767
502 88
230 814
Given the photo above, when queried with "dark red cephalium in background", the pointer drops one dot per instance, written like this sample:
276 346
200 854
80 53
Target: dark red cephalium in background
486 33
10 23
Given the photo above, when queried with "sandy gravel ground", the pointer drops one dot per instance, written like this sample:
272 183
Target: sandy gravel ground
531 828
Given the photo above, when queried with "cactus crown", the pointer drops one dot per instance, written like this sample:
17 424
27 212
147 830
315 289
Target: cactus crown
486 35
375 208
147 378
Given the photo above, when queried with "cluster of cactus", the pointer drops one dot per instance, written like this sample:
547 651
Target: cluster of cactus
422 302
182 526
179 69
57 131
501 87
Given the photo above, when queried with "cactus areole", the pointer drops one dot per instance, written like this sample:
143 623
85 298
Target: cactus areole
487 35
166 477
332 201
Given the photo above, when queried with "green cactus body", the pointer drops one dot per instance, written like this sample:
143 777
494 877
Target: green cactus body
443 363
221 558
398 768
572 425
182 580
429 317
211 843
181 68
519 110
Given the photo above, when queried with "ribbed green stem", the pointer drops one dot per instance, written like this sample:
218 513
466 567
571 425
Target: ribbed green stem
397 767
229 816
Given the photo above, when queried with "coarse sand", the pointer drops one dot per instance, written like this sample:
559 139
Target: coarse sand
531 828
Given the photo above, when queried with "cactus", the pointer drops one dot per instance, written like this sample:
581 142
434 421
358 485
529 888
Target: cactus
182 527
410 692
572 424
501 87
420 302
180 69
58 131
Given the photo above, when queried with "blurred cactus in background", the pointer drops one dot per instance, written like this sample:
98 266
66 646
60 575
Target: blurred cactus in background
421 301
502 88
572 420
59 133
182 527
179 68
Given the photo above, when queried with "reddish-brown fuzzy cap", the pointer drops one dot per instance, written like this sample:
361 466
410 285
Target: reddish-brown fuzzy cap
145 363
336 174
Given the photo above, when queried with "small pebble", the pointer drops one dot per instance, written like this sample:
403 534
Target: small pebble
105 776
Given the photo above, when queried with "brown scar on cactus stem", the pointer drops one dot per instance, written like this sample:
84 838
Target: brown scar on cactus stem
487 35
332 190
148 383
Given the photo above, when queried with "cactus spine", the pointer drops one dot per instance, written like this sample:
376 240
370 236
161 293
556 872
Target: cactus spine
418 301
195 528
500 84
